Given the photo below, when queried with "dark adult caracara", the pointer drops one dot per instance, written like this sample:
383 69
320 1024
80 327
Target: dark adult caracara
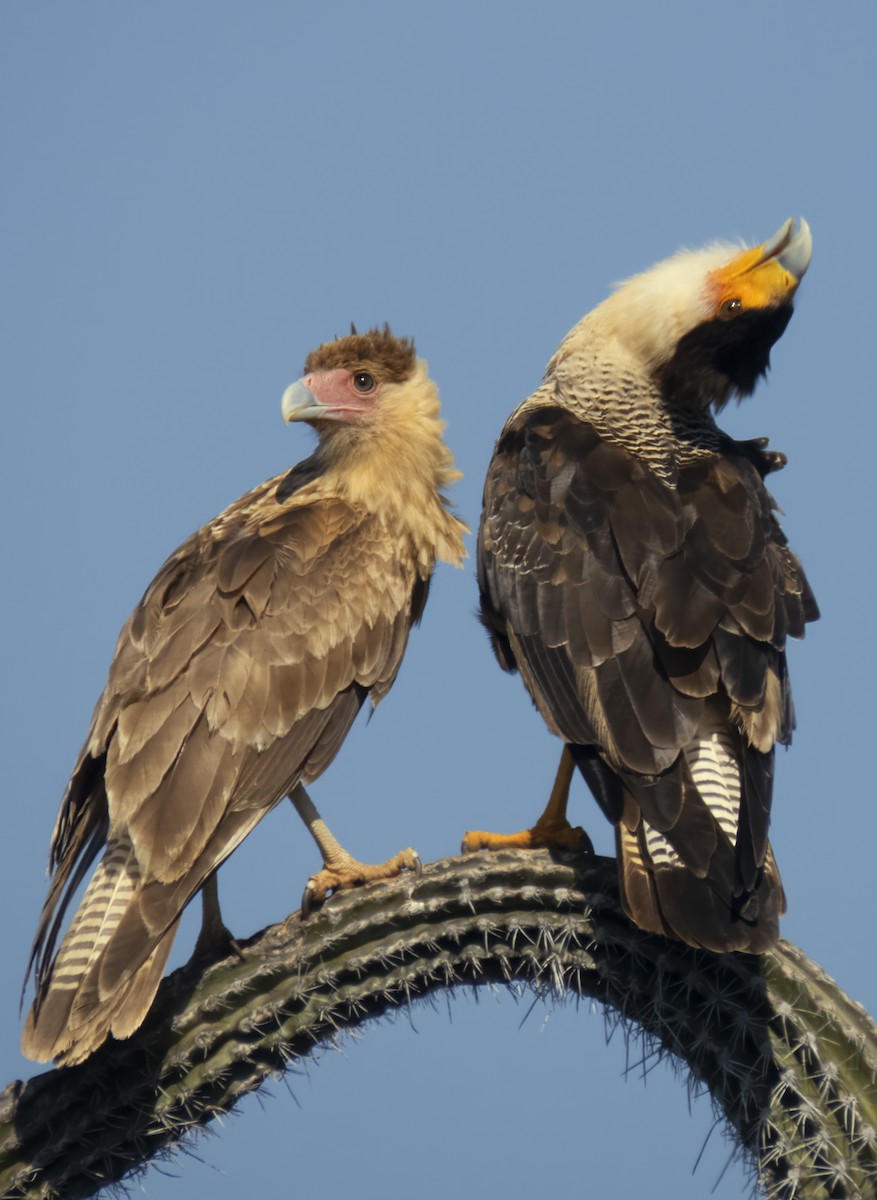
632 569
236 680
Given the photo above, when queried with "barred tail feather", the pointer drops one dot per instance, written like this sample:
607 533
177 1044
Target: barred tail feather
674 902
121 1013
676 883
72 1014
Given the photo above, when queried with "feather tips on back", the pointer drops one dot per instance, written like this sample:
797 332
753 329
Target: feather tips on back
632 567
239 673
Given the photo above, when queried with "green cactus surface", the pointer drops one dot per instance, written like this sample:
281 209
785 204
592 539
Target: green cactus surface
789 1060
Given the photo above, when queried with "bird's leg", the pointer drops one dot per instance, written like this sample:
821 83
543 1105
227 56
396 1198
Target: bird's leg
215 939
552 828
340 869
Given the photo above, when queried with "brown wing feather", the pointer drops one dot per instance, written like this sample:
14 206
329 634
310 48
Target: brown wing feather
632 608
239 673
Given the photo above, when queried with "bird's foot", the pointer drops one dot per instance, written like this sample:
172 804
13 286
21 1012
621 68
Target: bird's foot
348 872
215 941
544 835
551 832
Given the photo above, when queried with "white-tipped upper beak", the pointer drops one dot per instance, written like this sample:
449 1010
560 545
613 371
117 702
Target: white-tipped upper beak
300 404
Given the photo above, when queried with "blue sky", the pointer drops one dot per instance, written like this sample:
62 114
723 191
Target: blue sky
195 195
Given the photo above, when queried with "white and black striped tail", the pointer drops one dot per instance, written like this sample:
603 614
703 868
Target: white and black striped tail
695 879
74 1010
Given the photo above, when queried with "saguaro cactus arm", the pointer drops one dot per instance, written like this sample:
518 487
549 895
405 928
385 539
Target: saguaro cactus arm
788 1059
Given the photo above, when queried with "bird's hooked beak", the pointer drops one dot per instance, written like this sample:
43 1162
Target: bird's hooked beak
300 404
769 274
793 254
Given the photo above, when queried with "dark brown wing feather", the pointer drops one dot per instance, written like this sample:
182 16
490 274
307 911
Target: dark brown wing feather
239 673
629 606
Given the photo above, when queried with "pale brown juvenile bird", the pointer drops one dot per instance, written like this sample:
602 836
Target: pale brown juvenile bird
633 570
236 680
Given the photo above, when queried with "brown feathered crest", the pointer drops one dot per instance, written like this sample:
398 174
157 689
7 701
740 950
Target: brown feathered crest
389 358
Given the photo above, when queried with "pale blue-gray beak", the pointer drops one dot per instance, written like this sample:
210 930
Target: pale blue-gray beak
300 404
792 253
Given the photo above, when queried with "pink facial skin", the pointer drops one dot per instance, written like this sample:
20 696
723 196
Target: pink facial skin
344 395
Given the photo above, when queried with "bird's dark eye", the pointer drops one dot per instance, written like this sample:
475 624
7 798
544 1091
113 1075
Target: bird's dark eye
364 382
732 307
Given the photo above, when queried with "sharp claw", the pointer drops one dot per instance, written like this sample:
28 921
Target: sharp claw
307 900
351 874
216 943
